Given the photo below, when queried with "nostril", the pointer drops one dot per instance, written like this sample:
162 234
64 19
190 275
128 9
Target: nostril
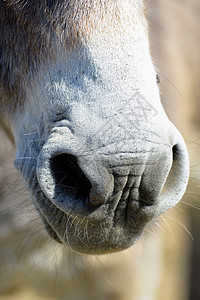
177 166
68 181
177 178
175 152
165 177
68 176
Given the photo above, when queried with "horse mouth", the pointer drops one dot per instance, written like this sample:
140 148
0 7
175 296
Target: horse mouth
97 233
74 217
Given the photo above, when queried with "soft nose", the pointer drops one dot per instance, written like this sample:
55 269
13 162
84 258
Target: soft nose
156 177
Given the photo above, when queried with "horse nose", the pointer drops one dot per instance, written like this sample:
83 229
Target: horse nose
157 178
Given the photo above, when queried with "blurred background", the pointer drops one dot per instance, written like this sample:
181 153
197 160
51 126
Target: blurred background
175 48
171 263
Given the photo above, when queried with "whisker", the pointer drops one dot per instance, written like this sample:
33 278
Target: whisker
168 227
193 205
26 157
182 226
175 88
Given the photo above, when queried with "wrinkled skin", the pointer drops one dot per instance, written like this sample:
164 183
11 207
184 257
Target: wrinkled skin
93 142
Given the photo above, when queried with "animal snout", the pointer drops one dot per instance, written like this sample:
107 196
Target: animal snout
121 181
101 200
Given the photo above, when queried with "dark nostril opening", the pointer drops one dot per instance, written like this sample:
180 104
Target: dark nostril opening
68 176
175 152
175 175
